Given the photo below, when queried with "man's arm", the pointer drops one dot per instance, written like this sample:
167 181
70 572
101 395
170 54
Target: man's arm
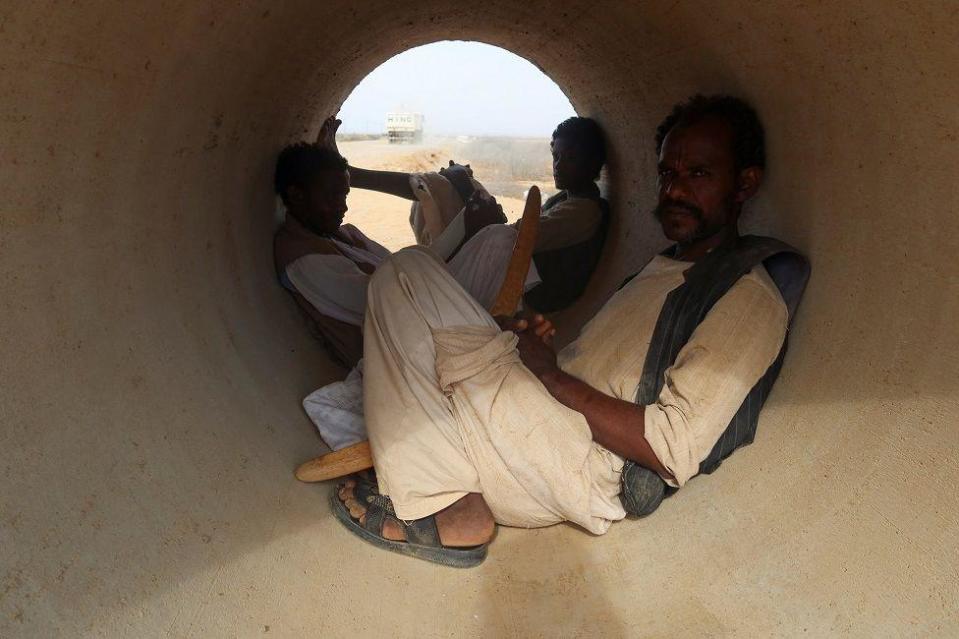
713 373
568 223
481 209
390 182
616 425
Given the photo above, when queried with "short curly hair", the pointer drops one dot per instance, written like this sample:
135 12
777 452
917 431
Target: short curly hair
299 162
749 140
585 134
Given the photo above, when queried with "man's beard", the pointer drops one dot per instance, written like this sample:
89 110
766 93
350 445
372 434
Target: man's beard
660 211
696 213
702 230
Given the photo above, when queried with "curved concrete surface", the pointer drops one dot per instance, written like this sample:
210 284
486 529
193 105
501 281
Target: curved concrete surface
152 370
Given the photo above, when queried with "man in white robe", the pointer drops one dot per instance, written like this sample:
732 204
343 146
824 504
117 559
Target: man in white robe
326 265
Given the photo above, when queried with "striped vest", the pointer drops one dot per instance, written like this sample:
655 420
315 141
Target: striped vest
687 305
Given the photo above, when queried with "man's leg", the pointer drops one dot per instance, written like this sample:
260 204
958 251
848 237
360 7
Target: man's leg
451 411
409 420
480 265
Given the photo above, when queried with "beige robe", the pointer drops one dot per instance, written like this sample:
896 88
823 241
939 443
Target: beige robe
451 410
572 221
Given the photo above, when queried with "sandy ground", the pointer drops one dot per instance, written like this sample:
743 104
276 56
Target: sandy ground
506 167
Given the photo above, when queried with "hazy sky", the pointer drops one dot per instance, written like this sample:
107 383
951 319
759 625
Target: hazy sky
462 88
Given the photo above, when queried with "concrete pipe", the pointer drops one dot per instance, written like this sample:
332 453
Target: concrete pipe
152 370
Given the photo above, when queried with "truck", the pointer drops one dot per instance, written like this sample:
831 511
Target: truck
404 127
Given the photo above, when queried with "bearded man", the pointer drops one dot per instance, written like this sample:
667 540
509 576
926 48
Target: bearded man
475 420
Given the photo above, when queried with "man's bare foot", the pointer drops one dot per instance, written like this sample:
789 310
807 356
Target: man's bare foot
467 522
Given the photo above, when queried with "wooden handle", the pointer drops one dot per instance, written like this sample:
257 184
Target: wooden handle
357 457
345 461
514 284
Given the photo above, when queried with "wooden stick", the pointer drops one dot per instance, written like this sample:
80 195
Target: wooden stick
514 284
345 461
358 457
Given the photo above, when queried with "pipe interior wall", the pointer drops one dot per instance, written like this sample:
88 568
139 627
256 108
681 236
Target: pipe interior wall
152 370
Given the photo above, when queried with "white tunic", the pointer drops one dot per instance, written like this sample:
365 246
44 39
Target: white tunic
334 284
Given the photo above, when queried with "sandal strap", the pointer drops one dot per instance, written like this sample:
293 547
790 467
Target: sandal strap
379 508
363 492
365 487
423 532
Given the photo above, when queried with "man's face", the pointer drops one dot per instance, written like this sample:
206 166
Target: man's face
698 183
321 205
571 168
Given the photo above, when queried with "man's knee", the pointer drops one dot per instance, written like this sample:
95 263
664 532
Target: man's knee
409 260
413 258
497 236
